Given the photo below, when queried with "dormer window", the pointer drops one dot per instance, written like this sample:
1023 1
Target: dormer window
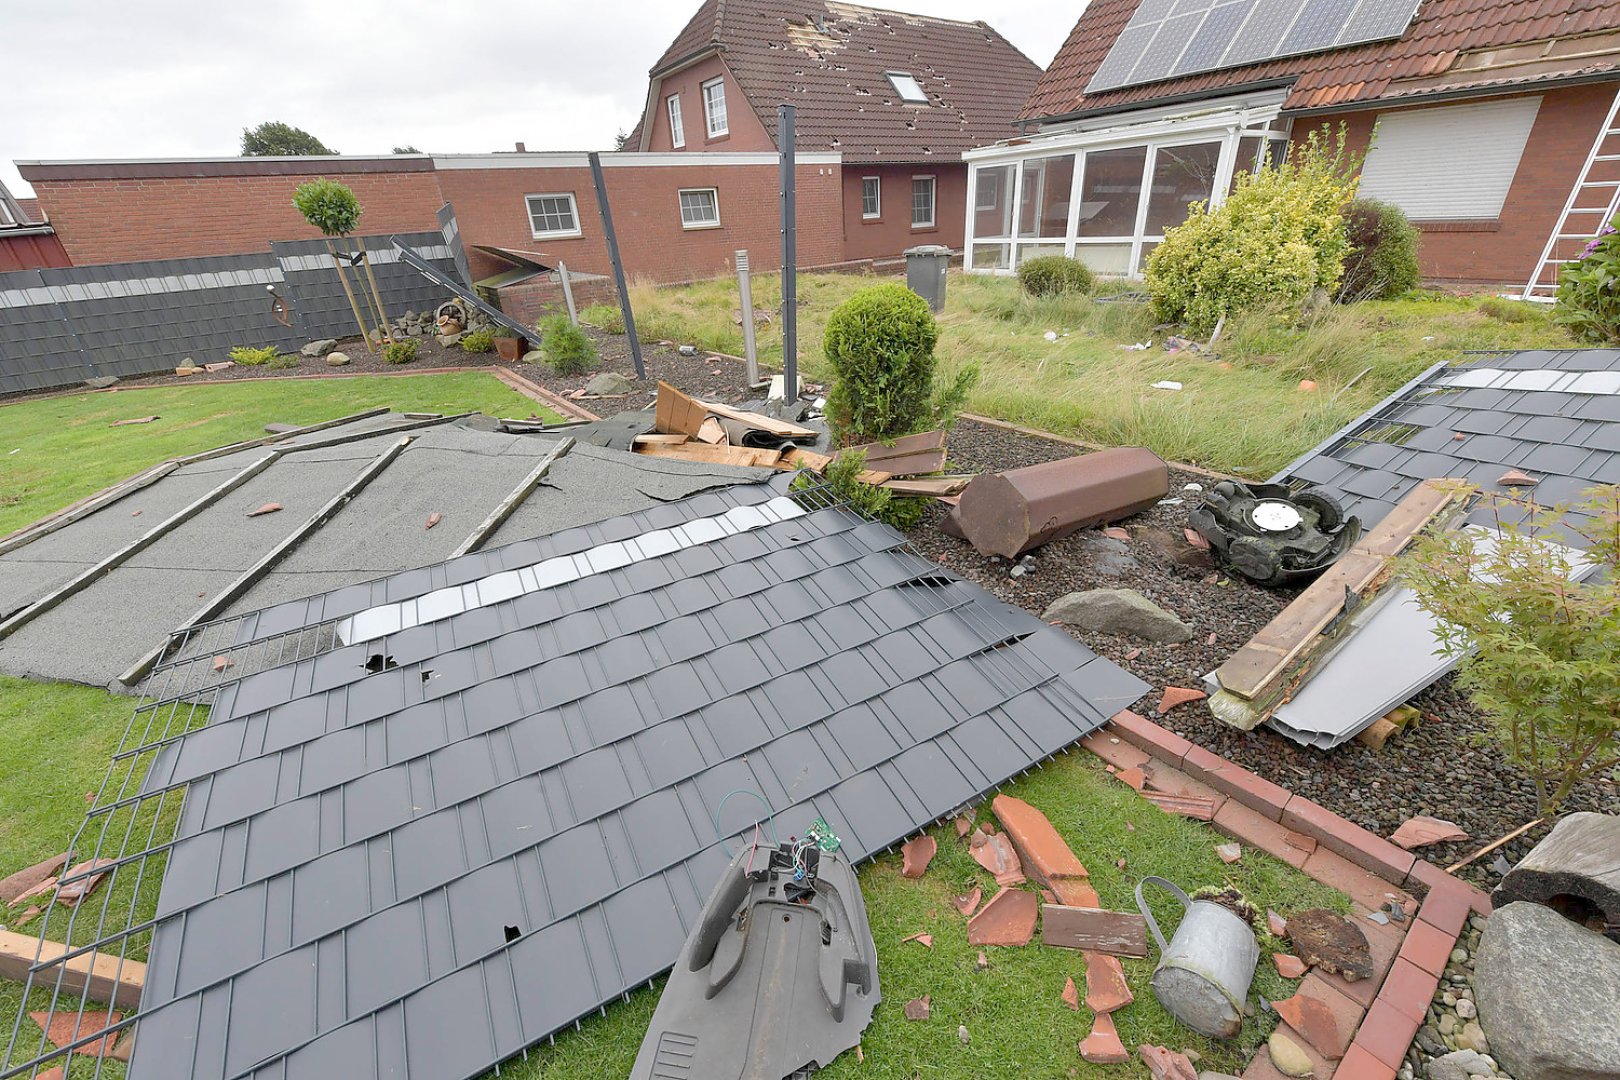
909 89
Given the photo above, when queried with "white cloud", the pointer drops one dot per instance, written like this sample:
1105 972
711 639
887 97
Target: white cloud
170 78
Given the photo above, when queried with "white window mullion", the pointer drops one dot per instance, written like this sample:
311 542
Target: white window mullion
1072 230
970 210
1014 203
1145 197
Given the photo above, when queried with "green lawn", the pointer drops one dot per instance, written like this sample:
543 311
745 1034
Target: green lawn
58 449
1250 418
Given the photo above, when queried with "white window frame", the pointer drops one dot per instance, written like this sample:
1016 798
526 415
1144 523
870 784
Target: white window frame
553 234
714 93
714 194
877 198
980 189
894 78
677 129
933 201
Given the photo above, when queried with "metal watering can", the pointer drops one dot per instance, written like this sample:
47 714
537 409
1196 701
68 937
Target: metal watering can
1204 972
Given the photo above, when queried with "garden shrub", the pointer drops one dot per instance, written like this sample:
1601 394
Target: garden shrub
1053 275
402 351
880 504
477 341
283 362
1382 258
249 357
1589 290
880 345
1276 239
567 348
329 206
1536 652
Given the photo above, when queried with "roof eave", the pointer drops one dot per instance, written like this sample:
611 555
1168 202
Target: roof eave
681 62
1158 102
1387 101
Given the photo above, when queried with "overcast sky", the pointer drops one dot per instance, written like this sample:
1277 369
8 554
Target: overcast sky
166 78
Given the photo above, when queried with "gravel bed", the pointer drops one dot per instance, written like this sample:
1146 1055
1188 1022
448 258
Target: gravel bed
1436 767
1451 1024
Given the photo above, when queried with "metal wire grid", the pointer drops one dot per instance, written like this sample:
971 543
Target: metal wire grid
174 704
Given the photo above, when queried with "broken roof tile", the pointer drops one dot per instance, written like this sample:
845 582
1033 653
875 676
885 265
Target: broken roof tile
916 854
1102 1046
1106 988
1007 919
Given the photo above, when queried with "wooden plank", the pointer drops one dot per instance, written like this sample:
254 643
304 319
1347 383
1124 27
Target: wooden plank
909 455
1118 933
555 402
1257 667
513 500
757 420
675 413
659 437
711 432
744 456
794 458
1199 807
110 980
927 485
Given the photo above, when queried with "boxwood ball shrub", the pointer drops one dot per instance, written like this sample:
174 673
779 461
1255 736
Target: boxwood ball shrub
477 341
565 347
1053 275
880 345
402 351
1589 290
1382 258
329 206
1277 238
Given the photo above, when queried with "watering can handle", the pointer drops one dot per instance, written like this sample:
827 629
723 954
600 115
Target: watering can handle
1141 904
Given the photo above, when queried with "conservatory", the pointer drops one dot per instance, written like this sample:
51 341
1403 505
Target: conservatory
1104 189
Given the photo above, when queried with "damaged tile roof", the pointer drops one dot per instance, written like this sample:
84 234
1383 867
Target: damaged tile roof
1451 45
830 59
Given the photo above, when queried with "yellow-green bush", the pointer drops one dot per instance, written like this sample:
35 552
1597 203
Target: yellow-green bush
1280 235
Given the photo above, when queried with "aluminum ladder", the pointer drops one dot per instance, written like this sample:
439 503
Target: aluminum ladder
1592 204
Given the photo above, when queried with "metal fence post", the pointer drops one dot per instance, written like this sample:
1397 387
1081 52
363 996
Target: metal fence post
618 267
568 291
790 280
745 293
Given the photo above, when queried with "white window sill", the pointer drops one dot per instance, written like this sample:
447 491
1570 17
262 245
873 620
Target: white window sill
720 134
924 225
557 235
871 217
700 228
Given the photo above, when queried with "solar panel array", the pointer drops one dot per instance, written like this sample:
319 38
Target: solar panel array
1169 38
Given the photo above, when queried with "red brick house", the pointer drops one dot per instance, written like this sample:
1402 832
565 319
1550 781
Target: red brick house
27 241
899 96
1497 125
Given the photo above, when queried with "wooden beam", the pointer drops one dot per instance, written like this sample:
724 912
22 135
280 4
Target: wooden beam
928 486
759 420
711 432
1117 933
108 979
525 488
809 459
743 456
555 402
910 455
658 437
675 413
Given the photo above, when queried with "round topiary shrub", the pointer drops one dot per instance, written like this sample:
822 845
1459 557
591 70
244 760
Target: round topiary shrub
880 344
1382 260
565 346
1053 275
329 206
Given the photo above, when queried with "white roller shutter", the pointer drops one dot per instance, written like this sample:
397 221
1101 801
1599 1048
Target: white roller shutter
1453 163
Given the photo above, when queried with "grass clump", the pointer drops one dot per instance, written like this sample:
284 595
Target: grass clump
477 341
1382 259
1510 311
842 481
565 347
251 357
1054 275
402 351
283 362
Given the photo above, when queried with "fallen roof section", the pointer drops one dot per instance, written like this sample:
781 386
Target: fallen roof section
460 837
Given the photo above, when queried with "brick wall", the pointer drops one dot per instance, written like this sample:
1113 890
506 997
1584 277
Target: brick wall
532 300
891 234
744 130
1504 251
127 219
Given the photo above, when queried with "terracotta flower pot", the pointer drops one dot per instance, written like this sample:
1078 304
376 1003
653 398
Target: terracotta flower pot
511 348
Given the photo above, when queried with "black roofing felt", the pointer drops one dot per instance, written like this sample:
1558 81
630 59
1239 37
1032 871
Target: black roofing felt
1540 418
554 764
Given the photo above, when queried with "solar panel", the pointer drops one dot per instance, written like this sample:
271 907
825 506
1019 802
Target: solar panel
1166 38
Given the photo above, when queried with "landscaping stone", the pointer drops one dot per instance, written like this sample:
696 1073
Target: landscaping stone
1287 1055
1459 1065
916 854
319 348
1208 1074
608 384
1422 830
1106 988
1327 940
1102 1046
101 382
533 356
1119 611
1008 919
1546 989
337 359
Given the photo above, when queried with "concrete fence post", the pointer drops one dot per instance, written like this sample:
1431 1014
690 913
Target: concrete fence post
568 291
745 293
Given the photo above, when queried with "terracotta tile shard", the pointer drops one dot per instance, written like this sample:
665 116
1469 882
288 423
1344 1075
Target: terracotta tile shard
27 917
1327 940
1178 695
988 828
964 826
221 663
918 1008
968 903
1071 994
1136 778
1165 1064
39 889
1195 539
1288 966
1515 478
125 1048
1076 892
1276 923
1102 1046
996 854
1316 1021
1229 853
1008 919
12 888
433 519
1193 806
916 855
74 891
1106 988
267 508
60 1028
1132 655
983 962
1043 853
925 940
1114 532
1421 830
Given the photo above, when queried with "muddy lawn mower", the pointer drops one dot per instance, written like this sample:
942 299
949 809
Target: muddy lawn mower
1271 534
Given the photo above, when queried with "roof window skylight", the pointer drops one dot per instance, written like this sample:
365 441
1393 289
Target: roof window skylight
909 89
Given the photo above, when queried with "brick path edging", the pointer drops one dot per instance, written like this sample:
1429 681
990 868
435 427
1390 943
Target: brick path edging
1401 1004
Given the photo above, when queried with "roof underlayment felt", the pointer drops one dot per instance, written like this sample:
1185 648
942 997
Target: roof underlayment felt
418 855
455 469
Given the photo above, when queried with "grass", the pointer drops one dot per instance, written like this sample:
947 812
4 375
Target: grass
1250 418
56 450
1012 1010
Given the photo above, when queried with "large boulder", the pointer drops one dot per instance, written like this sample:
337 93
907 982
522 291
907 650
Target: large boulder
319 348
608 384
1547 991
1118 611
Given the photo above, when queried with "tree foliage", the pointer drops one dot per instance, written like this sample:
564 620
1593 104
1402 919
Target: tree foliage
1536 651
275 139
1589 290
1382 259
329 206
406 149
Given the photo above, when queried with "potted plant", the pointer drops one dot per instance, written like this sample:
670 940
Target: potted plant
509 346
